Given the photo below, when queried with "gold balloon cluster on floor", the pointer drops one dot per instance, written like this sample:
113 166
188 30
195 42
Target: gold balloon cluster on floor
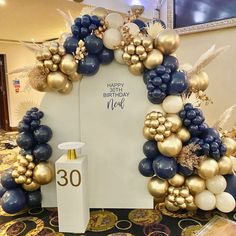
31 175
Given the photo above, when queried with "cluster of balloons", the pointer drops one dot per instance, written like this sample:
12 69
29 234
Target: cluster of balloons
20 185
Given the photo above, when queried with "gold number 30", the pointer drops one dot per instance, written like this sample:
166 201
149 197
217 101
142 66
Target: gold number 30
64 179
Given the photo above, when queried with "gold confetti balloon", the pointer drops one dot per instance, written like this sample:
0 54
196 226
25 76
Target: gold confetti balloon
43 173
177 180
67 89
225 165
38 80
32 186
157 187
56 80
230 146
208 168
195 184
68 64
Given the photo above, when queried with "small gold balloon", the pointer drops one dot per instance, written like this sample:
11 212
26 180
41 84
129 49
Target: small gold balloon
184 192
131 49
208 168
61 51
193 83
100 12
28 181
203 81
191 207
176 122
39 56
40 65
162 120
75 77
17 181
54 67
68 64
167 41
67 89
137 41
32 186
56 80
31 166
147 134
167 133
46 54
136 69
48 63
161 129
140 50
183 134
171 146
134 59
21 179
177 180
53 48
170 206
157 187
159 199
171 189
143 56
230 145
21 169
189 199
28 173
159 137
171 198
225 165
195 184
154 58
56 58
43 173
183 206
176 192
168 125
23 162
147 41
15 174
29 158
179 200
126 57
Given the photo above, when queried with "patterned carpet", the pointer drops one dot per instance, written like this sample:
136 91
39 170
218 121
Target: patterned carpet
112 222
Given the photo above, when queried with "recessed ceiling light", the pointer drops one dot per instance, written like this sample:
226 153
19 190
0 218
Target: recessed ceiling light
2 2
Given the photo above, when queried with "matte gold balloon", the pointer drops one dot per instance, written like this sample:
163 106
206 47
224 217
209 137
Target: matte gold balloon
136 69
31 187
56 80
29 158
68 64
67 89
43 173
203 81
176 122
157 187
230 145
100 12
208 168
170 206
154 58
75 77
183 134
195 184
167 41
171 146
225 165
177 180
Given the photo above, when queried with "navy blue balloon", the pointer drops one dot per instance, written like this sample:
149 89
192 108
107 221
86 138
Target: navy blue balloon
71 44
34 199
231 183
178 83
13 201
42 152
106 56
89 65
85 20
7 180
78 22
171 62
95 20
35 124
150 149
211 132
93 44
75 31
43 134
27 119
139 23
40 114
25 140
164 167
185 171
23 127
84 32
34 109
25 152
145 167
2 190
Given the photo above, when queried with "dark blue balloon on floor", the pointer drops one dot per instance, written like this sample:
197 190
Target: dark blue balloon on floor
7 180
171 62
42 152
23 127
106 56
164 167
43 134
231 185
13 201
93 44
139 23
145 167
2 190
89 65
150 149
34 199
25 140
178 83
71 44
185 171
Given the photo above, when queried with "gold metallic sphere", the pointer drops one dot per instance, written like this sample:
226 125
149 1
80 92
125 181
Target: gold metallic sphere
75 77
56 58
29 158
147 41
46 54
230 145
67 89
28 173
167 41
100 12
225 165
159 200
31 187
61 51
56 80
21 179
23 162
171 198
140 50
154 58
28 181
191 207
131 49
189 199
208 168
136 69
195 184
147 134
54 67
21 170
68 64
137 41
170 206
31 166
179 200
176 122
203 80
183 134
157 187
43 173
134 59
48 63
177 180
53 48
15 174
39 56
184 192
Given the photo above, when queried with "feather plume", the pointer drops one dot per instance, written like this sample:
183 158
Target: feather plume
21 70
206 58
224 117
32 46
69 21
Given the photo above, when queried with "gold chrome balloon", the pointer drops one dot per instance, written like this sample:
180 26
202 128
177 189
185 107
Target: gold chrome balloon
31 166
21 169
31 187
61 51
177 180
157 187
100 12
75 77
195 184
28 181
23 162
170 206
167 41
147 134
136 69
67 89
203 80
208 168
184 192
176 122
230 145
56 80
68 64
28 173
171 146
46 54
191 207
53 48
15 174
29 158
56 58
183 134
21 179
154 58
43 173
159 199
225 165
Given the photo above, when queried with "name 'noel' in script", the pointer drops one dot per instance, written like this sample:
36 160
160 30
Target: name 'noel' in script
115 96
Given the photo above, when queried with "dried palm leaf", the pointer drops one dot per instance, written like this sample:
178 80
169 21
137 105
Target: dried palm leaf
24 69
34 47
69 21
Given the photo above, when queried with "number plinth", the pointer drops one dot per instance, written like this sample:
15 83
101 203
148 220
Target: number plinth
72 197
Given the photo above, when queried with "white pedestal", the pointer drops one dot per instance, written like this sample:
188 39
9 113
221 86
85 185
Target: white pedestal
72 197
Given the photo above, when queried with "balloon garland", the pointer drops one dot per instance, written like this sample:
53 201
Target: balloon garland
185 158
20 185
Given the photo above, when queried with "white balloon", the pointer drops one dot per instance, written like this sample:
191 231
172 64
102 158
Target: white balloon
133 28
205 200
157 108
114 20
112 38
225 202
172 104
118 53
216 184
